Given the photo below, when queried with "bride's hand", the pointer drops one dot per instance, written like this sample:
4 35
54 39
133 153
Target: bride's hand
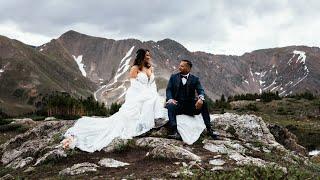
172 101
67 142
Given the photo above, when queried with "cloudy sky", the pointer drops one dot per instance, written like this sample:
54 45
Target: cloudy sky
214 26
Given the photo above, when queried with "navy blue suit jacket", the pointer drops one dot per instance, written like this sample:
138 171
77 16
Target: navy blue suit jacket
193 85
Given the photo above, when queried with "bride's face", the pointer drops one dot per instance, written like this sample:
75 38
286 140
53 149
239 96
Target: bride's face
147 57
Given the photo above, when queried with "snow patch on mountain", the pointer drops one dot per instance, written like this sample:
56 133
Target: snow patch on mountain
41 49
274 88
251 74
302 60
273 83
80 64
122 69
124 64
300 70
3 69
302 56
299 80
282 93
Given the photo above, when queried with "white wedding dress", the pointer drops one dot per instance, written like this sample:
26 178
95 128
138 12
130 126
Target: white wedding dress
136 116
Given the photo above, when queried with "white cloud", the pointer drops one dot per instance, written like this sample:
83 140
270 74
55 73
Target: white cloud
215 26
12 30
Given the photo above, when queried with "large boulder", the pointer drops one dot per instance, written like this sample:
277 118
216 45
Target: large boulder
37 141
250 128
170 151
287 139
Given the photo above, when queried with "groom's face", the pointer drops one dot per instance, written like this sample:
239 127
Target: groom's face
184 68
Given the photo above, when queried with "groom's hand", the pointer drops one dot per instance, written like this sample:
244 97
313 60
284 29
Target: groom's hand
172 101
199 104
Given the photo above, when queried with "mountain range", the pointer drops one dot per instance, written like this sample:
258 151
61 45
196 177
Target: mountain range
84 65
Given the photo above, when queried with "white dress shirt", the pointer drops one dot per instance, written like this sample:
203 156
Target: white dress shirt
184 80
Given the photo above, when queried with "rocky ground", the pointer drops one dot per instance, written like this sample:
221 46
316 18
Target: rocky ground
248 148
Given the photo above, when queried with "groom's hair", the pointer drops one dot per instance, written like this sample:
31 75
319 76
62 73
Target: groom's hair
188 62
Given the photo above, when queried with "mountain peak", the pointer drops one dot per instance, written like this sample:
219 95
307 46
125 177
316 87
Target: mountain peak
169 44
168 40
70 33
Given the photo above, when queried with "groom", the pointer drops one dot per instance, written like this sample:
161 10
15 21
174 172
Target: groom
181 98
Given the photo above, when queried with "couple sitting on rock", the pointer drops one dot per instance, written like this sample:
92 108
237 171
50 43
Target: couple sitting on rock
143 106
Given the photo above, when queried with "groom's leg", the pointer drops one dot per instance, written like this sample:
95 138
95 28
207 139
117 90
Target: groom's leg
172 116
205 115
206 118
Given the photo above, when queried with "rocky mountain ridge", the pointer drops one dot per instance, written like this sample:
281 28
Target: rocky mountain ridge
286 70
82 65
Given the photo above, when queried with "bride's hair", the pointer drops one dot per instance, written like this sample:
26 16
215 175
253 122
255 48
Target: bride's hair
139 60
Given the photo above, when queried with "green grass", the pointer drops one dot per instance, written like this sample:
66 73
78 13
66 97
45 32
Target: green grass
37 118
253 172
5 121
13 127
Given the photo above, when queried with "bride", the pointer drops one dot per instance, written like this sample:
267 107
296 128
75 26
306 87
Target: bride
136 116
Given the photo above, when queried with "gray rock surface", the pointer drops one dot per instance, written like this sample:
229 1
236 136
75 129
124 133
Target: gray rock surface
152 142
108 162
53 155
39 140
170 151
20 163
79 169
115 144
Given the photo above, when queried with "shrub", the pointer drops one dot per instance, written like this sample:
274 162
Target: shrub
5 121
114 108
64 106
252 107
13 127
3 115
305 95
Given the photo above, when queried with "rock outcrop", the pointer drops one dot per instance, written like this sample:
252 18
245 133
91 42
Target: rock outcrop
79 169
287 139
246 140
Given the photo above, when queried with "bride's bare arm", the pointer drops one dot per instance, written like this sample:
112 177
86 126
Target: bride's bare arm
134 72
